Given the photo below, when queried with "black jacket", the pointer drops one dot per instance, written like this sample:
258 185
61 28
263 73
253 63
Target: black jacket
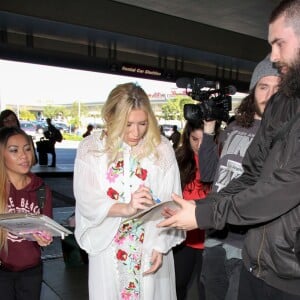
266 197
297 246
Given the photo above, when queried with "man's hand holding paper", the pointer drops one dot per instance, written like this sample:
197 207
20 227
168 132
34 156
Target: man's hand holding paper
183 218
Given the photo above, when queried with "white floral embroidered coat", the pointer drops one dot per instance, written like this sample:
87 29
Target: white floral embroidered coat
96 188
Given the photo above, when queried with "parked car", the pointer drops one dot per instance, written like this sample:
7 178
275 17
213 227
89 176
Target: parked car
29 128
41 126
62 127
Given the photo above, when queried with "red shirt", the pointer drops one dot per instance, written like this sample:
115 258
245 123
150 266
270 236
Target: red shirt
22 254
194 191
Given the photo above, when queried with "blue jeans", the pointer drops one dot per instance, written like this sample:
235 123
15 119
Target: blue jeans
220 276
233 268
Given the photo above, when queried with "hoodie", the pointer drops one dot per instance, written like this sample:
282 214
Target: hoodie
22 254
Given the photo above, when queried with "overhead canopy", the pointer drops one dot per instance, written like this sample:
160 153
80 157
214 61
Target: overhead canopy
216 40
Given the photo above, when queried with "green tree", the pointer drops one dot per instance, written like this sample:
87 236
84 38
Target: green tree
26 115
173 109
53 112
77 111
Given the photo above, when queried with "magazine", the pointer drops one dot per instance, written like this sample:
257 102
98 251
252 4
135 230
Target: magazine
153 212
25 225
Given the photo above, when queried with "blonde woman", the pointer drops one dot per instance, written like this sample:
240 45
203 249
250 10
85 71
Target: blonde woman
126 169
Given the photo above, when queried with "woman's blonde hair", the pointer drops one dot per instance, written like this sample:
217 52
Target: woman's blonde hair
5 134
121 101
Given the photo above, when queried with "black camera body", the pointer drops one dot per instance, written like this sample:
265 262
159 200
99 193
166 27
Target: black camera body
213 108
214 104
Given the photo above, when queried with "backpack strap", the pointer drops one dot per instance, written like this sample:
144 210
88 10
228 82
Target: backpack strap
41 196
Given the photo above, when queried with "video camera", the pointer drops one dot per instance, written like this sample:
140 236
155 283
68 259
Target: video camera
215 103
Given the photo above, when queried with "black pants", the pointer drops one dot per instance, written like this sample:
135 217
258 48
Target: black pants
188 261
252 288
22 285
214 274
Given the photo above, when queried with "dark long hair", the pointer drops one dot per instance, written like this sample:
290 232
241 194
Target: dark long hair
5 113
185 154
245 112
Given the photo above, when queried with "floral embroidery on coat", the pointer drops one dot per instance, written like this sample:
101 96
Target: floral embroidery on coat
130 236
140 172
114 171
113 194
129 240
117 169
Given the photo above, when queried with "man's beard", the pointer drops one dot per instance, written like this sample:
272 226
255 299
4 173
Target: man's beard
290 81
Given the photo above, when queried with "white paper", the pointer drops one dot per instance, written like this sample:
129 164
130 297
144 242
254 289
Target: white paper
152 212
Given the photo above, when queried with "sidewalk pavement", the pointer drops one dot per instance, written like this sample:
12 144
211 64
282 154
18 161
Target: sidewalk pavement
59 280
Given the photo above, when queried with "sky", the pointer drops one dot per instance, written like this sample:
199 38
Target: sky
26 83
34 84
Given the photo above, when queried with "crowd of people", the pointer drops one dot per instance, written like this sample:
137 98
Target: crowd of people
241 236
234 224
223 248
263 200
